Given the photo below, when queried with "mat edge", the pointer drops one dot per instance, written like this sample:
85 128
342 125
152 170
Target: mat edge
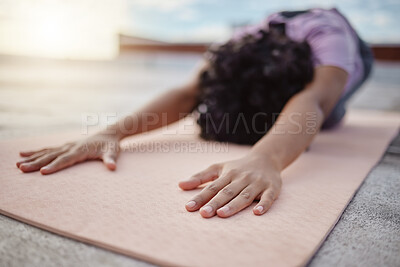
318 247
88 241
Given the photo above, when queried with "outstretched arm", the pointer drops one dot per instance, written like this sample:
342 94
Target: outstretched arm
104 145
165 109
169 107
302 117
236 184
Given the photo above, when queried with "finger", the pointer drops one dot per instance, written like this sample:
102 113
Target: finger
243 200
63 161
40 161
109 159
209 174
206 194
30 153
31 158
267 198
224 196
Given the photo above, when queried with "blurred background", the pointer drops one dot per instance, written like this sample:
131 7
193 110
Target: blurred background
61 60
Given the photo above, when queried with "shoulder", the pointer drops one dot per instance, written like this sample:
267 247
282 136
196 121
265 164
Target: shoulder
330 38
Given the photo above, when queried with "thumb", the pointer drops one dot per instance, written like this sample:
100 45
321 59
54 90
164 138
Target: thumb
209 174
110 158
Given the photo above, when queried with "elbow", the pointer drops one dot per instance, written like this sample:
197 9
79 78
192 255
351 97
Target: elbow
324 109
322 104
187 98
327 107
311 103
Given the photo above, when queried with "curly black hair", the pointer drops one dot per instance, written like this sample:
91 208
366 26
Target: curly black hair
246 84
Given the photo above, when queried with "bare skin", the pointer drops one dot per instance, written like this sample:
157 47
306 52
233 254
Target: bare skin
174 104
234 185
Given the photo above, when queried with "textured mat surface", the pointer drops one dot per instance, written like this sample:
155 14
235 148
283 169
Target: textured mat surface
139 209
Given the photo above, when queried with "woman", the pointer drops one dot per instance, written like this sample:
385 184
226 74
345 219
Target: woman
295 71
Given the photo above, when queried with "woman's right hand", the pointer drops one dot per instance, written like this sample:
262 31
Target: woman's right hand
100 146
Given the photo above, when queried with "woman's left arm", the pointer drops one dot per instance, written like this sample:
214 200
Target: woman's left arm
236 184
302 117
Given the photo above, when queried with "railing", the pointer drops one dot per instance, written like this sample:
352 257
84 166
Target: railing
387 52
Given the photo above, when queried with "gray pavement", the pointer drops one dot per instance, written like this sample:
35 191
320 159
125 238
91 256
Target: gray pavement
367 234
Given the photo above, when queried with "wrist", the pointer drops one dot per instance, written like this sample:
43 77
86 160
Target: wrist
266 159
111 133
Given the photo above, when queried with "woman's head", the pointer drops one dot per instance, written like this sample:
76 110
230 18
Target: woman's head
247 83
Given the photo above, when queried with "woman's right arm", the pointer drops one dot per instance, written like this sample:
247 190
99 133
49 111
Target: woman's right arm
167 108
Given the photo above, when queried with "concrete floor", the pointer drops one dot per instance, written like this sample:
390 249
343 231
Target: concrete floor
368 233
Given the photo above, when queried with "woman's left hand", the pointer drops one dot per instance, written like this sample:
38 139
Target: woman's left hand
235 185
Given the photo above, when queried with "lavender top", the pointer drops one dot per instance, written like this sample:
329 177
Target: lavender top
332 39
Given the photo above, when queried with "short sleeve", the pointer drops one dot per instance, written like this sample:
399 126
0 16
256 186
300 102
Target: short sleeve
333 46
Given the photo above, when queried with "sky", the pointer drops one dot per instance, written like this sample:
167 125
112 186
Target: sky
88 29
73 29
205 20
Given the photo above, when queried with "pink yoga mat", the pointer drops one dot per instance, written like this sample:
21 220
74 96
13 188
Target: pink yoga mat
139 211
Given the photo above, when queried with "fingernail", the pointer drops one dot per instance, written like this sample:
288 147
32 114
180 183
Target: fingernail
259 208
23 165
224 209
207 209
191 204
45 168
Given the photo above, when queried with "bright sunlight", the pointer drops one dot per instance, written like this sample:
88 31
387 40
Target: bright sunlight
84 29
